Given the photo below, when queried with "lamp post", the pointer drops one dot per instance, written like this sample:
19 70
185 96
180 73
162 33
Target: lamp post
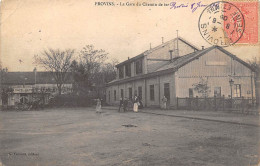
231 83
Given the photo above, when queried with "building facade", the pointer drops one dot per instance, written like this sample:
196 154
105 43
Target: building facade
179 69
26 87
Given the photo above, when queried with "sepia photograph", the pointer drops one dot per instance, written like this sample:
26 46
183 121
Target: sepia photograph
129 83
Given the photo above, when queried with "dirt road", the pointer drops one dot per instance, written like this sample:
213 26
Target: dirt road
82 137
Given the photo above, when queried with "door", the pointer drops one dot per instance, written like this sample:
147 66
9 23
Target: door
130 93
140 92
217 92
122 93
167 93
190 93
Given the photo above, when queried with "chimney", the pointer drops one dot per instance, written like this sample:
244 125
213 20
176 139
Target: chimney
150 46
162 40
202 47
171 55
128 58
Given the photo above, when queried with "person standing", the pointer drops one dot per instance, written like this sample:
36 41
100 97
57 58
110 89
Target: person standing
140 103
125 104
121 102
164 102
98 107
136 101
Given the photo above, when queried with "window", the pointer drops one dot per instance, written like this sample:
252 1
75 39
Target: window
122 93
167 91
130 93
121 72
138 66
152 92
140 92
115 95
217 91
190 93
237 92
128 70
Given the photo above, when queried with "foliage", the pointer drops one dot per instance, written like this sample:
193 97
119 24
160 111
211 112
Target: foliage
70 100
91 71
92 60
109 70
57 62
255 64
82 83
3 72
202 87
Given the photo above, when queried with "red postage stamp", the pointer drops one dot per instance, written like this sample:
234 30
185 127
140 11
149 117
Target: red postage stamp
221 23
224 23
250 13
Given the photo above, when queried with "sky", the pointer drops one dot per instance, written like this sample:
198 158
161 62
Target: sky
30 26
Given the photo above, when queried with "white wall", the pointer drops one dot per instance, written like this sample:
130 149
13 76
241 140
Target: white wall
214 66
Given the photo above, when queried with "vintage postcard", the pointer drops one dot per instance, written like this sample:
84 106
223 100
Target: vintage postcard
138 82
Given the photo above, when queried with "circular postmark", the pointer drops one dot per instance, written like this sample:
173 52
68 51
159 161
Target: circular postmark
221 23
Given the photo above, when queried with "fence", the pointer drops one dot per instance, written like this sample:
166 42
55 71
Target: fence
224 104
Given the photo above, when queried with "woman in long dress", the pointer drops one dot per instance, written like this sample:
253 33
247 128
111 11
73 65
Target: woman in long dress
164 100
98 107
135 104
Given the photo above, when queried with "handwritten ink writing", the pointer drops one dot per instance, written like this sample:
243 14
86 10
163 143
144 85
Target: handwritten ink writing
174 6
193 6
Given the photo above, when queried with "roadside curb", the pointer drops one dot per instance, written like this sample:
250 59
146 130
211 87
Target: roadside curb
190 117
204 119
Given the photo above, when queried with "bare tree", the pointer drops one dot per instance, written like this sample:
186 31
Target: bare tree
92 70
57 62
89 64
92 60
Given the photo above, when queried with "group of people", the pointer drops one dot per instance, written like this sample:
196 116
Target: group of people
137 103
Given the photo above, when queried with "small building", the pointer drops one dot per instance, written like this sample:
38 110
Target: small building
26 87
176 69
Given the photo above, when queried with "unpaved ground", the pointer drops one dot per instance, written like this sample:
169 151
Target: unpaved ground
82 137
